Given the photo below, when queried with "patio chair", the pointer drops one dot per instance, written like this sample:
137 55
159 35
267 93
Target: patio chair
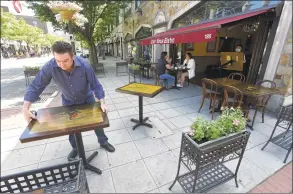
121 64
234 76
99 68
284 139
230 92
262 102
213 95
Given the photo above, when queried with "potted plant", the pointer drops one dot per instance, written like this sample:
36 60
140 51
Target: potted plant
207 146
30 71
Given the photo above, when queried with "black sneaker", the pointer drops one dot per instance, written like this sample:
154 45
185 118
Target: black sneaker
72 155
108 147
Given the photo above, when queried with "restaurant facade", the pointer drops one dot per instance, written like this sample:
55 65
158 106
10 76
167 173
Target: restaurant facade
211 29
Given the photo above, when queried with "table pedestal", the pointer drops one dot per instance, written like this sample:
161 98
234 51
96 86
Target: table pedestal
141 121
81 153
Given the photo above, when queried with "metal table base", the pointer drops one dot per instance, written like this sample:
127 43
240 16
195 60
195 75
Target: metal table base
141 121
81 153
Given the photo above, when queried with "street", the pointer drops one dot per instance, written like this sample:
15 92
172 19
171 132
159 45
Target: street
13 81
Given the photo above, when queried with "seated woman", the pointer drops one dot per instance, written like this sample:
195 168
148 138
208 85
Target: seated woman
189 63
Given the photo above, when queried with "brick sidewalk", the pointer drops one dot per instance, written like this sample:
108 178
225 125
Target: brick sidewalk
280 182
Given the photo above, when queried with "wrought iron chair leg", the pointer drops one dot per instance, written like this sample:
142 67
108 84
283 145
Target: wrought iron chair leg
271 134
287 154
255 112
263 114
179 162
288 129
210 103
213 109
202 101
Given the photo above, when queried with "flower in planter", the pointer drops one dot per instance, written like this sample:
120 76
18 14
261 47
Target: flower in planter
231 121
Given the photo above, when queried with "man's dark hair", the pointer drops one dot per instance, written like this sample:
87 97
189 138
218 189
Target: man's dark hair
62 47
163 55
190 55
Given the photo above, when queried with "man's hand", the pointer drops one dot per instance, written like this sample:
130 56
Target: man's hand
26 111
28 115
104 107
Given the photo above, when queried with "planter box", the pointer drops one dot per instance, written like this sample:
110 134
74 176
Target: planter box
29 73
205 162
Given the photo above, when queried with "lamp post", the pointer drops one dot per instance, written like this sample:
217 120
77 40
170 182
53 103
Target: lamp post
121 45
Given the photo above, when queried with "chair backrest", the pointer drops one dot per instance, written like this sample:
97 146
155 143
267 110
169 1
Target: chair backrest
211 85
234 76
264 100
121 64
231 92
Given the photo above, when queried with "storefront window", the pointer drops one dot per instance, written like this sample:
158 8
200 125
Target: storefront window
209 10
141 34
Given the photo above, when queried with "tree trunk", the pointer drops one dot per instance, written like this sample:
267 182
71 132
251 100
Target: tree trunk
103 50
93 53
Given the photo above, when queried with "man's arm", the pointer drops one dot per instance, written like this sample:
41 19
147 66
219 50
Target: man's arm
34 90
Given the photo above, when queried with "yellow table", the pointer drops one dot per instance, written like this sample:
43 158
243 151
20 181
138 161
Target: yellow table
141 90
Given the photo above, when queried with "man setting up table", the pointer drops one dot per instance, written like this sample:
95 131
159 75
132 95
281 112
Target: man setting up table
76 80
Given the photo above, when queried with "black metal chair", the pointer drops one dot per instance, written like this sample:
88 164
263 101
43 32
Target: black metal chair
121 64
99 68
284 140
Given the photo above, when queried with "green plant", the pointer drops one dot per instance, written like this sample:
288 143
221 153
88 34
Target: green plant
231 121
134 67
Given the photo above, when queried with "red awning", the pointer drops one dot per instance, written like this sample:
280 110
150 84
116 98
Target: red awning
203 32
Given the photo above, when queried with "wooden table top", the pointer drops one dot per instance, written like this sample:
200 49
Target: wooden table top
255 91
225 81
64 120
146 90
246 88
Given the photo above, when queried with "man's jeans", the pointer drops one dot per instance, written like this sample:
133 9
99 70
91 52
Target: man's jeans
102 138
170 79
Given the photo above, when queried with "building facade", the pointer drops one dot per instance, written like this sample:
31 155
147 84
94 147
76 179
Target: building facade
142 19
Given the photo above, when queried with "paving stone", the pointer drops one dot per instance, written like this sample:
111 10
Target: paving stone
149 147
170 125
101 183
61 138
56 150
138 134
8 144
155 114
128 112
163 167
132 178
123 105
18 170
23 157
127 122
182 110
31 144
173 141
161 106
11 133
118 136
264 160
229 187
115 124
121 99
113 115
266 129
277 151
4 156
256 138
181 121
124 153
170 113
249 174
175 189
154 191
111 107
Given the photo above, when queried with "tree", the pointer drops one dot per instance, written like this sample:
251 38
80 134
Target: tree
94 11
8 24
52 39
25 32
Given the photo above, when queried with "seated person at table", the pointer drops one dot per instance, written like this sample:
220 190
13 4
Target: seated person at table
76 80
161 69
189 63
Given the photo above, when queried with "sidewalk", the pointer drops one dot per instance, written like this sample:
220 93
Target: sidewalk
280 182
141 163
